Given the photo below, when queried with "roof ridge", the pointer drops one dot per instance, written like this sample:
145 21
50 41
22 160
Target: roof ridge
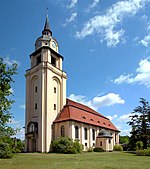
95 113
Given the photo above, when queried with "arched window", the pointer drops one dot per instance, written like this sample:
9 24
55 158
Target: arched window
93 134
62 131
32 127
76 132
85 133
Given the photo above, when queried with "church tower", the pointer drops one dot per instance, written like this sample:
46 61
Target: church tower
45 91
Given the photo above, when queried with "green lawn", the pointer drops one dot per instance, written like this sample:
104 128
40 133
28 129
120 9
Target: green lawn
106 160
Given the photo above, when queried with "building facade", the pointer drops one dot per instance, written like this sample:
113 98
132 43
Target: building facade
48 113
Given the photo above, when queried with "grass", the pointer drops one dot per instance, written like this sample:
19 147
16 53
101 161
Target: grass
105 160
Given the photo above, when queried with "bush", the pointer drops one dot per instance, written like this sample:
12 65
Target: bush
5 150
126 147
118 148
66 145
145 152
98 149
90 149
139 145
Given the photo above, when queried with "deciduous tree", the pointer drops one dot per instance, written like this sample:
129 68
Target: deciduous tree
6 102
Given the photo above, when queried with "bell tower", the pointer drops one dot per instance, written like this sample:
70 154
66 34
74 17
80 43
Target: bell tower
45 91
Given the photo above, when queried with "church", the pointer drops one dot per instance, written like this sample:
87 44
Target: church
49 114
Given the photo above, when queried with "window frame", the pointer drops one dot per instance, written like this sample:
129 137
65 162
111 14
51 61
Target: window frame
85 133
76 132
62 131
93 134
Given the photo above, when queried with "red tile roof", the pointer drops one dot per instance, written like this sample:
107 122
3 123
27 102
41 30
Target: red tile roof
81 113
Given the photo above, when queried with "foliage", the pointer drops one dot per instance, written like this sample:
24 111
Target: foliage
90 149
66 145
145 152
139 145
140 124
124 139
6 80
126 147
16 145
5 150
98 149
118 148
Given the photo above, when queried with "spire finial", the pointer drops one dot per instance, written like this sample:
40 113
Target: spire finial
47 30
47 11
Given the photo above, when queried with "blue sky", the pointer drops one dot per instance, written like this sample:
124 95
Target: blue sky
105 44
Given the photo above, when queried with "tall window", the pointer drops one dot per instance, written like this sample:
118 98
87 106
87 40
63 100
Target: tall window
35 89
31 128
38 60
53 61
35 105
76 132
100 143
93 134
54 89
85 133
62 131
54 106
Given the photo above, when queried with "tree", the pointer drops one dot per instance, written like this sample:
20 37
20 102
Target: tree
123 139
6 81
140 124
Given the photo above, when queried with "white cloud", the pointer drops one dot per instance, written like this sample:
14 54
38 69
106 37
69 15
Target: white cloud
92 50
13 121
99 101
22 106
146 41
142 76
21 134
107 100
18 125
124 117
112 117
9 62
11 90
94 4
72 4
121 123
105 25
71 19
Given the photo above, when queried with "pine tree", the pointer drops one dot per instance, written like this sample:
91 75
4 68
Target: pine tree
140 124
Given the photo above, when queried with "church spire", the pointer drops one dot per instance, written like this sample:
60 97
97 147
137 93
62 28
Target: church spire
47 30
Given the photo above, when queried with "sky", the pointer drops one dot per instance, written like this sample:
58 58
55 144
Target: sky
105 45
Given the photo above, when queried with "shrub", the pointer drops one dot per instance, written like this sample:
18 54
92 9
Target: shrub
118 148
98 149
5 150
139 145
145 152
90 149
126 147
66 145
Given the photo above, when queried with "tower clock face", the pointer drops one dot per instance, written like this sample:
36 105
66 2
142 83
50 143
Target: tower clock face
54 45
39 43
